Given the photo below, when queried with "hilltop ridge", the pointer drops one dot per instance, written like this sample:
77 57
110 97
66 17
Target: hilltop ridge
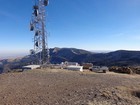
58 55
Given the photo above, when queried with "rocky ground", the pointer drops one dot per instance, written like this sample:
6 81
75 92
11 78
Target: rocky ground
62 87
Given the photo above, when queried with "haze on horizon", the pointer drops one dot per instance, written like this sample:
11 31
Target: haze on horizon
90 25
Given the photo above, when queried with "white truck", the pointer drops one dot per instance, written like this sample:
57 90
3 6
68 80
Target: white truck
99 69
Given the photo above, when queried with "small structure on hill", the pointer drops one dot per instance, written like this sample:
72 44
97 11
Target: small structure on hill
87 65
66 63
31 67
75 68
71 66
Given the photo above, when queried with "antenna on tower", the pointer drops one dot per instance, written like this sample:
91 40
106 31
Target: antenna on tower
38 25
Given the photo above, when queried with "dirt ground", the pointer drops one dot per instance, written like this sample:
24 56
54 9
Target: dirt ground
63 87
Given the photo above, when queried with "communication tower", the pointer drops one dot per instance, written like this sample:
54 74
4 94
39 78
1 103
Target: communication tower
38 25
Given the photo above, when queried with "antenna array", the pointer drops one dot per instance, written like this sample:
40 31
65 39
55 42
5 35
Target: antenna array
38 25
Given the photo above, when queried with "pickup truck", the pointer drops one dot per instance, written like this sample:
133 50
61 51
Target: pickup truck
99 69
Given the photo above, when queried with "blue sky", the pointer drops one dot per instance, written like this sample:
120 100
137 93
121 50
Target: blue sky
85 24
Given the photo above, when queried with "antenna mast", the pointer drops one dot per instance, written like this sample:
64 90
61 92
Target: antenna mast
38 25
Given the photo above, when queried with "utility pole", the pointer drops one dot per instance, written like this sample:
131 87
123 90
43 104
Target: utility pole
38 25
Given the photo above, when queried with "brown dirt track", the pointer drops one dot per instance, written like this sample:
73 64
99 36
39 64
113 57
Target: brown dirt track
62 87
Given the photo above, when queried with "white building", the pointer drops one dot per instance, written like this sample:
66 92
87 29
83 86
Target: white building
75 68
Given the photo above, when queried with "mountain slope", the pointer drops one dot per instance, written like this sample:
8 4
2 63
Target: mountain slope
58 55
116 58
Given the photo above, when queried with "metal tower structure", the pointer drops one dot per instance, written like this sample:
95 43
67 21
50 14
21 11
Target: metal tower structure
38 25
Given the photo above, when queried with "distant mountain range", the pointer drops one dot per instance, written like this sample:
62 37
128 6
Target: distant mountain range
115 58
58 55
